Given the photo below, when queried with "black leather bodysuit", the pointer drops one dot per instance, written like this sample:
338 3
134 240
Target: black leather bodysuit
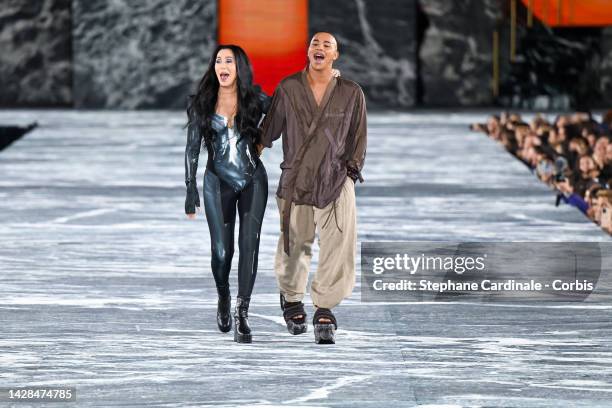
235 178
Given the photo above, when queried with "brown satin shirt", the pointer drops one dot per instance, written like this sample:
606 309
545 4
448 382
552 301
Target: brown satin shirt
317 163
321 144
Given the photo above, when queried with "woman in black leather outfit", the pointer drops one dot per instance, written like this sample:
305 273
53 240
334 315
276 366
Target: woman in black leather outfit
224 116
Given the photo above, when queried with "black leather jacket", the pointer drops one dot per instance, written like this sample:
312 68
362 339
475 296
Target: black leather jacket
231 157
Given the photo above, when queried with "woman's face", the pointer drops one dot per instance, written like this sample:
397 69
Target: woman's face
601 145
225 68
586 164
562 134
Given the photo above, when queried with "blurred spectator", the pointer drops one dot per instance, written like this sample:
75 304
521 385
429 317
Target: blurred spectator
604 198
587 175
600 152
607 122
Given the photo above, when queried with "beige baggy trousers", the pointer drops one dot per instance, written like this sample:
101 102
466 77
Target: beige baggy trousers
335 276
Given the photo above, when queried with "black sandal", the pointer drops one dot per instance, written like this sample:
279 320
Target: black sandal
325 333
295 325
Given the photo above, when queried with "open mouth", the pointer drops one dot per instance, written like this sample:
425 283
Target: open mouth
319 56
224 76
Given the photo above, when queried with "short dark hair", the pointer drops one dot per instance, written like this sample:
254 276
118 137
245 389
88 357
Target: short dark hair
313 32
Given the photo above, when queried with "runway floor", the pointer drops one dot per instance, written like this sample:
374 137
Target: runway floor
105 285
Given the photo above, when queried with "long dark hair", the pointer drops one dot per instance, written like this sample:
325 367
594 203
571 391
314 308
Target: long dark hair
202 104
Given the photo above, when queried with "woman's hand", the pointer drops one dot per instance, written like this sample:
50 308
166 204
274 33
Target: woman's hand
564 186
193 216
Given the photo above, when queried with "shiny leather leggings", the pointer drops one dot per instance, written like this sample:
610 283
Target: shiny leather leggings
220 202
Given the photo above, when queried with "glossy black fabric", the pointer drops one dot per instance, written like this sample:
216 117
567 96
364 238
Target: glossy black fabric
221 155
233 156
220 203
235 180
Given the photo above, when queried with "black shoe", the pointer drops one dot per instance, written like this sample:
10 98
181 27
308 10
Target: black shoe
224 318
242 330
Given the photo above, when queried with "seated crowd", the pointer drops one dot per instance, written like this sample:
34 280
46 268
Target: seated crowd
572 155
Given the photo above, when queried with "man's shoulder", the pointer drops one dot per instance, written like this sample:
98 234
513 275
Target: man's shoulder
291 80
349 85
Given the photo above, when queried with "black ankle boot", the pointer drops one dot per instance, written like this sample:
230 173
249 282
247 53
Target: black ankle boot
242 330
224 318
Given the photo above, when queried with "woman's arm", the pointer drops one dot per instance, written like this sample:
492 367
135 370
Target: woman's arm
264 102
575 200
192 155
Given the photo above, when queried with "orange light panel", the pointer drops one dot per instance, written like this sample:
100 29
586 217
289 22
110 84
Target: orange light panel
584 13
274 33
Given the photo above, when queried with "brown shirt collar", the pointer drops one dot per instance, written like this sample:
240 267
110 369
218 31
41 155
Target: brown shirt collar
311 98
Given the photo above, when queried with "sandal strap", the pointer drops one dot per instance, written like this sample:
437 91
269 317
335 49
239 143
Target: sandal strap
323 312
292 310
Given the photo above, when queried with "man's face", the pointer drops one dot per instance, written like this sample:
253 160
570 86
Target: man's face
322 51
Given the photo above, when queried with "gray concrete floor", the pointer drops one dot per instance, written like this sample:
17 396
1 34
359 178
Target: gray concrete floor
105 285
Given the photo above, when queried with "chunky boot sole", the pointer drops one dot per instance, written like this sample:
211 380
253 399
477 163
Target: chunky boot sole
325 333
242 338
296 328
241 321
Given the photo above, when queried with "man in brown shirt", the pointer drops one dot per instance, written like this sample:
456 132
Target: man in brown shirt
323 120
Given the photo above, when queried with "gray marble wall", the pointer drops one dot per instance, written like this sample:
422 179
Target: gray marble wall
131 54
140 53
35 57
555 69
377 45
457 52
